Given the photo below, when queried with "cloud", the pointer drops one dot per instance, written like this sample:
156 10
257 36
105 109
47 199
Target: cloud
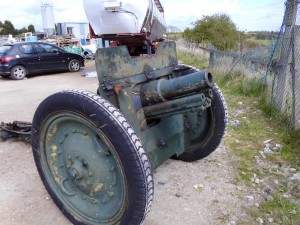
22 13
247 14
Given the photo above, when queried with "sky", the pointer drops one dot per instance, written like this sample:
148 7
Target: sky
249 15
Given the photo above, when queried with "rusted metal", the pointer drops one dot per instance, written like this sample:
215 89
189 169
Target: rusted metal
178 106
15 130
116 64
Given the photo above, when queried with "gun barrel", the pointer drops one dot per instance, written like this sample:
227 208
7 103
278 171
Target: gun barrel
164 90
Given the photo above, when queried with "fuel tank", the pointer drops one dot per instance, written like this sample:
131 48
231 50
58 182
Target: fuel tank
126 17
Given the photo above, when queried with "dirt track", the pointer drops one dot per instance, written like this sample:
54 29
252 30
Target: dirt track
201 193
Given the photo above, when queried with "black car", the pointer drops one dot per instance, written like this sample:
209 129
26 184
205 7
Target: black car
20 59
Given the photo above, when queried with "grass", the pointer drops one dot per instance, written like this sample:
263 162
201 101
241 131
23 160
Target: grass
274 123
258 122
261 123
253 42
174 36
280 209
289 137
191 59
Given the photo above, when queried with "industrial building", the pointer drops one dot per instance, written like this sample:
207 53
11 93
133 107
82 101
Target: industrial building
73 29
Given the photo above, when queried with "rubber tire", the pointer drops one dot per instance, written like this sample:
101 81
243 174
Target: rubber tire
217 131
136 165
12 76
69 65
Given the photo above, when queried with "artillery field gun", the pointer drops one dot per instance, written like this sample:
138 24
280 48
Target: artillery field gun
96 153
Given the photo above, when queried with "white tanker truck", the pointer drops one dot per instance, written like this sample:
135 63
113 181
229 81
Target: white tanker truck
128 22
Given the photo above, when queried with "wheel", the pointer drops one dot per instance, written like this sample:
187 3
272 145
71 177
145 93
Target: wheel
210 128
74 65
90 160
18 73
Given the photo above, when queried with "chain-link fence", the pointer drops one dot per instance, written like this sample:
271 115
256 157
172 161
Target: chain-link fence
296 77
278 65
283 68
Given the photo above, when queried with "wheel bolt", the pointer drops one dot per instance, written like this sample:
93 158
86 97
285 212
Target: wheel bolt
75 174
85 163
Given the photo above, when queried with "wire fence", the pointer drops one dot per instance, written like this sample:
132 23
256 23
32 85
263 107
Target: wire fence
277 65
283 67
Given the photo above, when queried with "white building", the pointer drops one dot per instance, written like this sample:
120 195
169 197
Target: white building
74 29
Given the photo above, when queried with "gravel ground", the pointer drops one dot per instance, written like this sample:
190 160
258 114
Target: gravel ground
200 193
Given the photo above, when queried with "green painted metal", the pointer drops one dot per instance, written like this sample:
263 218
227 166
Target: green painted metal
116 63
165 102
83 169
163 90
177 106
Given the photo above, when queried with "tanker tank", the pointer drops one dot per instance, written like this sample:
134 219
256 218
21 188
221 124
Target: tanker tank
142 19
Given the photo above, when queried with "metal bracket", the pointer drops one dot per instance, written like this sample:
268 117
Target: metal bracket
17 129
108 85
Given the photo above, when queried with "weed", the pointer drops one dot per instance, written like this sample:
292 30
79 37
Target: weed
280 209
258 122
193 59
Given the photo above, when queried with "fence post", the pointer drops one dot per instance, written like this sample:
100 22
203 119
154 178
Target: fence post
296 77
283 63
212 59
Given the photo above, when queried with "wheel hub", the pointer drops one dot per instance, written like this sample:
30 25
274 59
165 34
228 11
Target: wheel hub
18 72
84 169
75 66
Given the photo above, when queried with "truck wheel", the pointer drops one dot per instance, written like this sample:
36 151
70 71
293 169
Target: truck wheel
214 121
18 73
74 65
91 161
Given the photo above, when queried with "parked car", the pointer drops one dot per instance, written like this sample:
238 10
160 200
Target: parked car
20 59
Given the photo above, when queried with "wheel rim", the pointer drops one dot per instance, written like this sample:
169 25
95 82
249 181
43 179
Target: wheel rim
201 128
83 170
75 65
19 72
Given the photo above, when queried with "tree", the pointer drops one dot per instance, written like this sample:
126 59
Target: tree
218 29
31 28
22 31
1 27
188 34
8 28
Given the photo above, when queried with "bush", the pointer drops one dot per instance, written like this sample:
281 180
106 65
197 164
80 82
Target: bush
219 30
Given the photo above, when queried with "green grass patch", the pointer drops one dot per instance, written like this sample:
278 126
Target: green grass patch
280 209
251 43
238 84
193 59
289 137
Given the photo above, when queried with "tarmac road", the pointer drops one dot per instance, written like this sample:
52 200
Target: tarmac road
200 193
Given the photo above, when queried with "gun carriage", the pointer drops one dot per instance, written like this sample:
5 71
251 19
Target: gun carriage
96 152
